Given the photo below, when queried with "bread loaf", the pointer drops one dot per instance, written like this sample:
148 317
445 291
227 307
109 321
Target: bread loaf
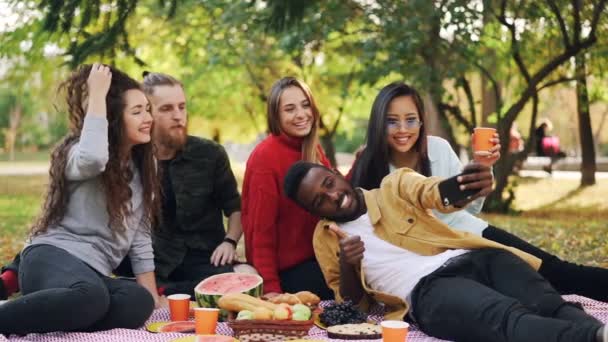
239 301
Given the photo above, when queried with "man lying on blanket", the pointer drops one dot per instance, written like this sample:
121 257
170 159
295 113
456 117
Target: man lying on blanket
387 247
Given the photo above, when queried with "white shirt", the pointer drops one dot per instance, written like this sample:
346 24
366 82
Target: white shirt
445 164
389 268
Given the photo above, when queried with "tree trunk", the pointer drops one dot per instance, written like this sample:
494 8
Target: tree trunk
327 142
588 166
11 133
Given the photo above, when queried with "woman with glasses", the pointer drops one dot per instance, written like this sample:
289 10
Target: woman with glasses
396 138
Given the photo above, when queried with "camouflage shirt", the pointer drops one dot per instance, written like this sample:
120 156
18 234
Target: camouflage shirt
204 188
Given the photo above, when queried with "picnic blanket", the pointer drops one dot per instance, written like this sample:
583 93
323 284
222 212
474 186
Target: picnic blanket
595 308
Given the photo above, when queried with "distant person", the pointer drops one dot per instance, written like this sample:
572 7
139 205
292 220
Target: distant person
516 142
547 145
99 208
516 145
278 233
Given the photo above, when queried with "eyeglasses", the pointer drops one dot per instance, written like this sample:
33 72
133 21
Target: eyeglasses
395 124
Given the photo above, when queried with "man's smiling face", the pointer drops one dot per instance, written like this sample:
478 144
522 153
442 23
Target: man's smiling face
327 194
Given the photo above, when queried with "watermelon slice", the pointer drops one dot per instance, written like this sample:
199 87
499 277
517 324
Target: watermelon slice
210 290
179 326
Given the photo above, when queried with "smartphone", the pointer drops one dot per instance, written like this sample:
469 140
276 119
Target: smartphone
451 193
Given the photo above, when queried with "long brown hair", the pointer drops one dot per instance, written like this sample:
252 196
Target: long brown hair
310 146
117 175
373 164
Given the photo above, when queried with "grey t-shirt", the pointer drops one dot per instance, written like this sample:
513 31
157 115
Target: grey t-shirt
84 230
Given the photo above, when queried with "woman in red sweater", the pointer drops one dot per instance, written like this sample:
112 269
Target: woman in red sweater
278 233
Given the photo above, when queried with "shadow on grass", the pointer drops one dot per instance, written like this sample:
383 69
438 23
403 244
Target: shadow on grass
555 202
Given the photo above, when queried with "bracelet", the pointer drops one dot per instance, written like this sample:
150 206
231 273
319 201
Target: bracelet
230 241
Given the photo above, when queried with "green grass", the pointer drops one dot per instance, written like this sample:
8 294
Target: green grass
26 156
556 215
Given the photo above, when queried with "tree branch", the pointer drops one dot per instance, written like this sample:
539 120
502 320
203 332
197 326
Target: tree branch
597 11
457 113
464 83
576 14
560 21
343 98
556 81
514 43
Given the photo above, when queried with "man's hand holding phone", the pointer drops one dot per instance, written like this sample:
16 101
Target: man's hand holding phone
475 181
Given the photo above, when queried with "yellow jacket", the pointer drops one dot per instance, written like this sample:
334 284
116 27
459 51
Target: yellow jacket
400 213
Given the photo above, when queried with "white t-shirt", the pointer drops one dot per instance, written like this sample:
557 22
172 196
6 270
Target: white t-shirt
389 268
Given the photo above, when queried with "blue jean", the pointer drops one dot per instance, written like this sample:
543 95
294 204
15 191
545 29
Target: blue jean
62 293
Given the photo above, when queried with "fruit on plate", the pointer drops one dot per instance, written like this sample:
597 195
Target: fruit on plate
283 312
211 289
301 312
341 313
179 326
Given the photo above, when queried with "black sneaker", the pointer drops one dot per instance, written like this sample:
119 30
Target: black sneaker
3 294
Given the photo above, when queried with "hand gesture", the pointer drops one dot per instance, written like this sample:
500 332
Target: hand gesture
351 247
477 177
224 254
99 80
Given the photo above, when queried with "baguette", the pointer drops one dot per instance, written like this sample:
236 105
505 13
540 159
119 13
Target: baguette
239 301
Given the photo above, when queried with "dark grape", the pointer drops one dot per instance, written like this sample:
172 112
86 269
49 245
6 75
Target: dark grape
342 313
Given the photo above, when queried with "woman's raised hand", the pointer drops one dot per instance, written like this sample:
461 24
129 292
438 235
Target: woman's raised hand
99 80
98 85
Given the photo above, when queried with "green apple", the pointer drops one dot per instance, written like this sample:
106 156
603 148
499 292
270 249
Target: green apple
302 311
244 314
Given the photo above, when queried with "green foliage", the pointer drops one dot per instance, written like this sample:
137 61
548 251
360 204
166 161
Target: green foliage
229 52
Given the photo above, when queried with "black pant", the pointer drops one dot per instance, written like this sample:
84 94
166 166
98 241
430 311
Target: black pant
493 295
62 293
566 277
306 276
195 267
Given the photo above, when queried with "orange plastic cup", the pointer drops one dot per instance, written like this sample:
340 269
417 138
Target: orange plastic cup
481 139
394 331
179 307
205 320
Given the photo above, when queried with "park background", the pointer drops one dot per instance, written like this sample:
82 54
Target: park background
492 63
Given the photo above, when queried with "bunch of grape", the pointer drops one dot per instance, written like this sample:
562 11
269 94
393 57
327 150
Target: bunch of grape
342 313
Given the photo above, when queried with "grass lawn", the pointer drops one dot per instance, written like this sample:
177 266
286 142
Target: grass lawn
556 215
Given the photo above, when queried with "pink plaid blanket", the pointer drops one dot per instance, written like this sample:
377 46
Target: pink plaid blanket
595 308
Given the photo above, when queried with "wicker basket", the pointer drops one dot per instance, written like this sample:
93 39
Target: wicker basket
257 330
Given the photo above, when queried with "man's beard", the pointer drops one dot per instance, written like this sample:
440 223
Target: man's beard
174 138
349 216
